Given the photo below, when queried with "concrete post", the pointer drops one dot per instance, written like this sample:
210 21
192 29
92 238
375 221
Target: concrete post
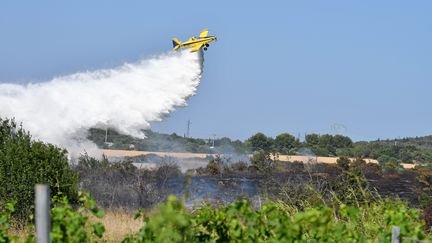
43 219
395 234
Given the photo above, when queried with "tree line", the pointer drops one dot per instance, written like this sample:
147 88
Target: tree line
391 152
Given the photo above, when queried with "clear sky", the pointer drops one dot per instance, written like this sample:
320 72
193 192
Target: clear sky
296 66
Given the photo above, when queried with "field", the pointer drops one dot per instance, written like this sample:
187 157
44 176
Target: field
187 155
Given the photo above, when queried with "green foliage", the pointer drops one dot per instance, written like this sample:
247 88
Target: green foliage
329 145
312 139
320 151
168 223
274 221
424 177
71 225
279 222
394 152
285 143
351 186
260 142
5 217
340 141
24 163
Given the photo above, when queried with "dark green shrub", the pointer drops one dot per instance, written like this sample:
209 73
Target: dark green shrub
25 163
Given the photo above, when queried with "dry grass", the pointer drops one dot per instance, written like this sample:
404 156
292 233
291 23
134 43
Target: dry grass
21 231
119 223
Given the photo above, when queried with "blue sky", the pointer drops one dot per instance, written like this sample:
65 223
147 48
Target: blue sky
296 66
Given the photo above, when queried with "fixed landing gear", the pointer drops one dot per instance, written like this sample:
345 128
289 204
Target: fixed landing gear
205 48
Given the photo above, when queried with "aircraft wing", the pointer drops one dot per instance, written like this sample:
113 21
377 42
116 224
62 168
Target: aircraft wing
196 47
204 33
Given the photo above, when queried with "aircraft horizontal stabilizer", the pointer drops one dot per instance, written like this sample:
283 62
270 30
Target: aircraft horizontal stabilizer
176 43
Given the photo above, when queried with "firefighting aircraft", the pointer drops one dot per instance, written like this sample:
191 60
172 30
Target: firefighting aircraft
195 43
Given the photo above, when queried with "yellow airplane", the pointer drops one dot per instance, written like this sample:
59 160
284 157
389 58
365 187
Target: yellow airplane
195 43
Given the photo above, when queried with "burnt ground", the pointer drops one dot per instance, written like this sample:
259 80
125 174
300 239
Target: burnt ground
129 187
225 188
403 185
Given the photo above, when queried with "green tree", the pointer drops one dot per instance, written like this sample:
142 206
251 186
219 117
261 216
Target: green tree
340 141
284 143
259 142
326 140
25 162
312 139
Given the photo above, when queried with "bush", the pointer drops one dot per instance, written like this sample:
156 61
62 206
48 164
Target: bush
68 224
5 217
167 170
279 222
343 163
72 225
25 162
263 161
351 186
215 166
239 166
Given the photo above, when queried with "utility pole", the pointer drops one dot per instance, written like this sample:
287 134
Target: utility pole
106 135
188 128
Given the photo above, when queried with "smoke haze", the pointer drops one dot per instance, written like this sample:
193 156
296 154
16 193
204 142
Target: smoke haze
126 98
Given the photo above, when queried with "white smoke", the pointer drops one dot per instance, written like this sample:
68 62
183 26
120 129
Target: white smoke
126 98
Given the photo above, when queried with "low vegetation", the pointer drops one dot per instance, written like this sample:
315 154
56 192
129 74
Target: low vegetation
261 200
240 221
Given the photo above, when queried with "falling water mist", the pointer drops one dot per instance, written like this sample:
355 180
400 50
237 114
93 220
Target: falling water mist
126 98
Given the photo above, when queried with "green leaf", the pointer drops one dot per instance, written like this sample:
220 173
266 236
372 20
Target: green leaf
98 229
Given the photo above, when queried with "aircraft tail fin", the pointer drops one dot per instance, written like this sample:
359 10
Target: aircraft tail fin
204 33
176 43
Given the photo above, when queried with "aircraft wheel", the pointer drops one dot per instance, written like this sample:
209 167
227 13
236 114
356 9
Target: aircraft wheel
207 45
205 48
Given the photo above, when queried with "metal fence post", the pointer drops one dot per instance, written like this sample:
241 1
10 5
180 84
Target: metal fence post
395 234
43 219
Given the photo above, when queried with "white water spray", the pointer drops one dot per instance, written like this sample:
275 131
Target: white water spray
126 98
